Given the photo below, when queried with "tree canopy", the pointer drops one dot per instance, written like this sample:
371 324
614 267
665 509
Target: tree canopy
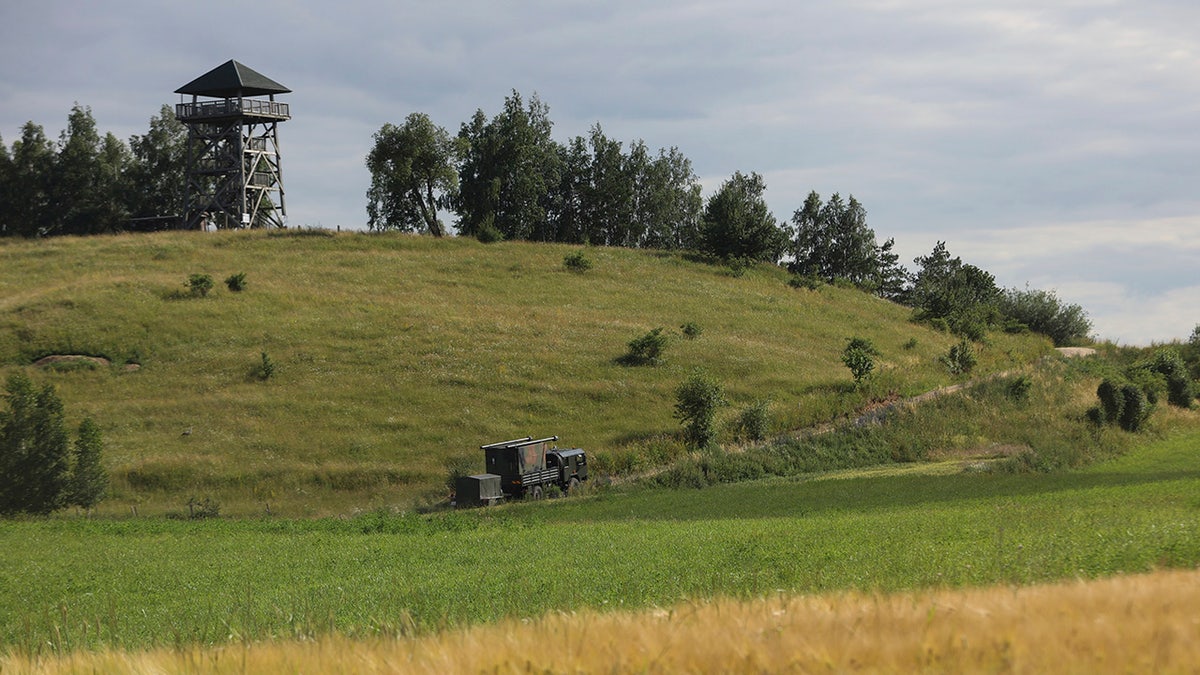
413 176
40 472
738 224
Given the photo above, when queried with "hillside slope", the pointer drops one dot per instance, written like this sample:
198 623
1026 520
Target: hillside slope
397 354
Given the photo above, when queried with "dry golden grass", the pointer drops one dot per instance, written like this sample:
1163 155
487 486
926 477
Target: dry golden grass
1146 623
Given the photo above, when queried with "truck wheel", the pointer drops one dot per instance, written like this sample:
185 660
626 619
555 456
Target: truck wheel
535 492
573 486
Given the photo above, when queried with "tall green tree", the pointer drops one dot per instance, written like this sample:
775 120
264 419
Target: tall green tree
832 241
28 211
76 175
6 178
413 176
510 169
738 224
608 195
891 277
810 247
159 167
34 450
575 179
667 202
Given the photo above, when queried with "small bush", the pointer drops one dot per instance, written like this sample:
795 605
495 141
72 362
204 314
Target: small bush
961 359
236 282
266 368
489 234
696 402
1177 381
971 328
577 262
755 421
1111 401
1043 312
910 345
1018 389
199 285
859 356
1137 407
809 282
691 330
1123 403
737 266
646 350
199 509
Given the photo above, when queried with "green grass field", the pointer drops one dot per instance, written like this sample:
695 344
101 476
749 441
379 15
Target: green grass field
396 355
76 583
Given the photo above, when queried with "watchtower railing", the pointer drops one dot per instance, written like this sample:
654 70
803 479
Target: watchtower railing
232 107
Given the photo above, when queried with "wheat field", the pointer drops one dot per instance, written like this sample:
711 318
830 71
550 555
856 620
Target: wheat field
1140 623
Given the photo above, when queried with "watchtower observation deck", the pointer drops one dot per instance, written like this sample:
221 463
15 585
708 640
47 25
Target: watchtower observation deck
231 108
234 177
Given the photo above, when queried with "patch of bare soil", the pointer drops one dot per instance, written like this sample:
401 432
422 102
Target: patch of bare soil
70 358
1076 352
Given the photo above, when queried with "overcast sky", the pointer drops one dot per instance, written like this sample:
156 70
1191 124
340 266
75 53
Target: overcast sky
1055 144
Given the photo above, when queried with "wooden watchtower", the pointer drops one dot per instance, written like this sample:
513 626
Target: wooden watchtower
233 168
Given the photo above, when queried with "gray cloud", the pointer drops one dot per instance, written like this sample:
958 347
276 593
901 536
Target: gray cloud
1049 143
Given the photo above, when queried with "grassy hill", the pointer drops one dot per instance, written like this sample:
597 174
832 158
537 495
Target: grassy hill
397 355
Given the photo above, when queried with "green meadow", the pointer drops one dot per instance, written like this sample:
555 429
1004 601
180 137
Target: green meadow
397 356
394 357
85 583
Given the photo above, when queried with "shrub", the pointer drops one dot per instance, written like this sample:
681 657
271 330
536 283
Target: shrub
236 282
737 266
960 360
1137 407
88 481
266 368
697 400
646 350
1177 380
1043 312
203 508
755 421
577 262
1018 389
691 330
1124 403
859 356
806 281
911 344
970 327
489 234
1112 403
199 285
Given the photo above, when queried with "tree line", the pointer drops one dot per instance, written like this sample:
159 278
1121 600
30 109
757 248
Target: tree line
505 177
85 183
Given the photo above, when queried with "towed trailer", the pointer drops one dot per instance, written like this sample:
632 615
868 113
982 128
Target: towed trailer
522 467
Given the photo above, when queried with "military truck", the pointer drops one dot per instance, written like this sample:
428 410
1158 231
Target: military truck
522 467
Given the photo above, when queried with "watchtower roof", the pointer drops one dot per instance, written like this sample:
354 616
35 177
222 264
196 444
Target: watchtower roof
232 79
